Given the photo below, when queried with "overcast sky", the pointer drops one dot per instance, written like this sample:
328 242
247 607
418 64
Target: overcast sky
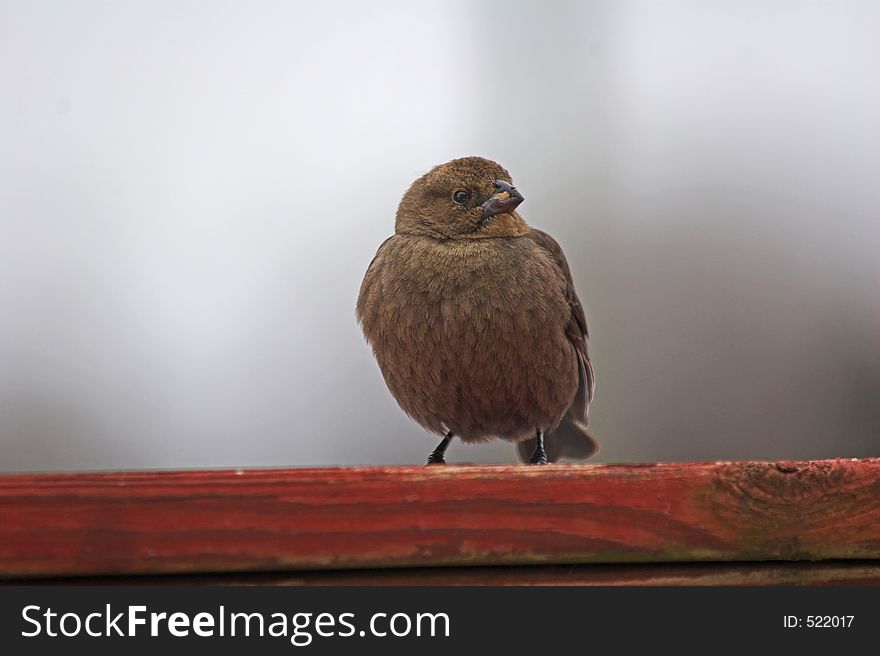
190 193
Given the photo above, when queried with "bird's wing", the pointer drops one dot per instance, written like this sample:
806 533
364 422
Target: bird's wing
379 252
368 284
576 330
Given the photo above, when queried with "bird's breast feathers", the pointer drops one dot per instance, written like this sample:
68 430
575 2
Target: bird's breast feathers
462 329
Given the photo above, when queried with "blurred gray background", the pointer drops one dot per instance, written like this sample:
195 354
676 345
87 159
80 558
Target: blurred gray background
190 193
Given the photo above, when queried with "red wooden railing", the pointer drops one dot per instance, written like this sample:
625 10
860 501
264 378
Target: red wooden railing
453 524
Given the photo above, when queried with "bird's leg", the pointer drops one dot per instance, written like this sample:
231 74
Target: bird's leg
539 457
436 457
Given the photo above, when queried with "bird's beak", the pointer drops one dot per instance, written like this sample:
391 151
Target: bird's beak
505 199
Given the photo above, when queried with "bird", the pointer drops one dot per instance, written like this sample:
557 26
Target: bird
474 320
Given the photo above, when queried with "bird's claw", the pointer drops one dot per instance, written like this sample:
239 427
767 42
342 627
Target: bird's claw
539 457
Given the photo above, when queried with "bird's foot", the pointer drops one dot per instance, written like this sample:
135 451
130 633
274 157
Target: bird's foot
539 458
436 457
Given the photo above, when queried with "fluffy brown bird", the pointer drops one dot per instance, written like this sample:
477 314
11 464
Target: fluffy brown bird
474 320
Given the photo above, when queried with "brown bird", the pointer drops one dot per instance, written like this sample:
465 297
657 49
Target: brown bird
474 320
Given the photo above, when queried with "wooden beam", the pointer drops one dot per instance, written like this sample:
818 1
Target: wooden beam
294 519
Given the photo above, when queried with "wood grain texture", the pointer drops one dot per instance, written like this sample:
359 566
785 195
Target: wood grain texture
260 520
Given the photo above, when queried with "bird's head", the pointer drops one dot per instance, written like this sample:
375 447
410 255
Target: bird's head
467 198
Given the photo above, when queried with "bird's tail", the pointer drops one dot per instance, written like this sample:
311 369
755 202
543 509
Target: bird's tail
570 440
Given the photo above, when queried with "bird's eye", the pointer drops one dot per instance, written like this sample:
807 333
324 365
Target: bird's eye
461 196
